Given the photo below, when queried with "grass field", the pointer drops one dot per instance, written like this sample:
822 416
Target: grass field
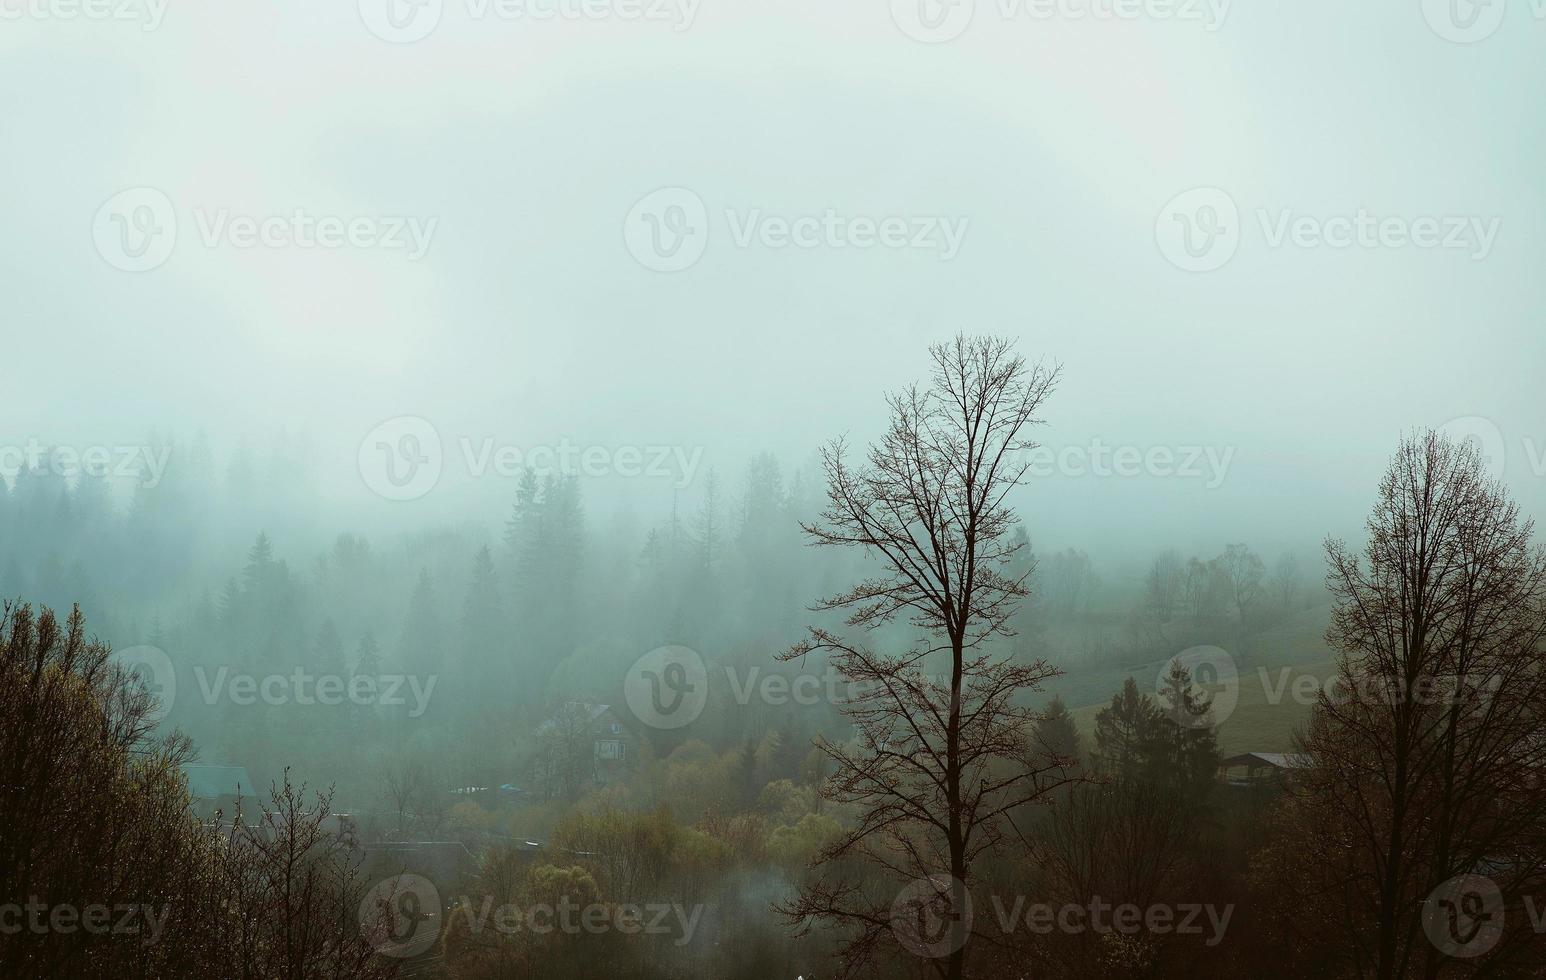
1260 721
1266 712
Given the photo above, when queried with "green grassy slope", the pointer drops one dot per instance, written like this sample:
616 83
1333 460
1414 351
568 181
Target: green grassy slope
1269 663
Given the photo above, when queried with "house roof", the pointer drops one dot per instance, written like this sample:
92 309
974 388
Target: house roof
591 713
209 782
1277 760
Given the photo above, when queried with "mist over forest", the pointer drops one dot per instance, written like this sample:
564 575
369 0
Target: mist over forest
217 560
661 489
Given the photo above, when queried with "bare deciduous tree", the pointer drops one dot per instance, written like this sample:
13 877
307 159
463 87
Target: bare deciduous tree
296 894
1245 571
939 767
1071 582
1203 588
1428 756
404 783
1162 585
1285 581
96 815
564 759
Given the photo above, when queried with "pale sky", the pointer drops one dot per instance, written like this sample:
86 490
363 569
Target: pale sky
1053 145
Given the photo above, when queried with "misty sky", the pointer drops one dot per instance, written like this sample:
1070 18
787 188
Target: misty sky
1052 145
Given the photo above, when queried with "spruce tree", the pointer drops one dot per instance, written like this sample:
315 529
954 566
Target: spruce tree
1123 730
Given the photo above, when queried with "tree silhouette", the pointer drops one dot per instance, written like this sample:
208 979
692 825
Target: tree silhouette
939 766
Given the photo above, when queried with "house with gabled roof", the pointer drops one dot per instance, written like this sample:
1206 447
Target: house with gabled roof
1252 768
217 787
582 743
